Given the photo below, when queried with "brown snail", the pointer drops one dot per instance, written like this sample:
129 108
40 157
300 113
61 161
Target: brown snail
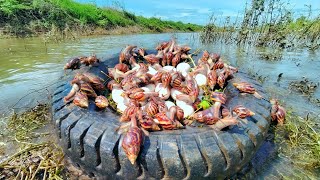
278 113
81 100
242 112
101 102
132 141
247 88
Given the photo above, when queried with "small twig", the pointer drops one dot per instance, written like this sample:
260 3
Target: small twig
22 175
30 170
44 174
18 173
51 166
15 138
11 167
21 152
192 61
196 52
38 168
110 77
27 176
311 128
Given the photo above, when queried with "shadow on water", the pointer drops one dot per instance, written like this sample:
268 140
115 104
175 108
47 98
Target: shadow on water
29 68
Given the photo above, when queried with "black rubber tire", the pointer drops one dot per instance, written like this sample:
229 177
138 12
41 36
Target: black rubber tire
89 139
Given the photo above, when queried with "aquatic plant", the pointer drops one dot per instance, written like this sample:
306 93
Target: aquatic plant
299 140
22 126
266 23
32 160
35 161
304 86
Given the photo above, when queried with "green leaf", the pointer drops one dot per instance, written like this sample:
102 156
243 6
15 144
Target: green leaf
204 104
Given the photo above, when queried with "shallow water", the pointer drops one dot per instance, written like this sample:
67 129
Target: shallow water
30 67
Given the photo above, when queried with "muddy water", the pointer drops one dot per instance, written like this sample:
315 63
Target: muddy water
30 67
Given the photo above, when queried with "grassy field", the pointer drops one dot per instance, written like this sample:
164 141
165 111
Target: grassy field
34 17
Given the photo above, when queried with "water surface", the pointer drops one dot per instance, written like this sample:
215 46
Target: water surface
29 65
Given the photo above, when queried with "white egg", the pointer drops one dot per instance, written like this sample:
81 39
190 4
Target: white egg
151 87
201 79
174 93
184 74
121 106
135 67
145 89
116 95
169 104
170 68
164 93
152 71
158 87
187 108
183 68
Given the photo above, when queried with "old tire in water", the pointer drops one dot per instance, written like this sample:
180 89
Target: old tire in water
89 139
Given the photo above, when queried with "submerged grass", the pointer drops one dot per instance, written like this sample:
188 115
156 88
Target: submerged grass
34 160
304 86
22 126
299 140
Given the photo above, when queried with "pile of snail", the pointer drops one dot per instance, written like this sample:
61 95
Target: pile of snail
163 91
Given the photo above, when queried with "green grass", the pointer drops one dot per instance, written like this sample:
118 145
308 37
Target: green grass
299 140
158 25
21 17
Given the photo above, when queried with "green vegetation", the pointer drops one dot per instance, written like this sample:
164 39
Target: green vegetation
267 23
28 17
22 126
31 159
307 88
299 140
